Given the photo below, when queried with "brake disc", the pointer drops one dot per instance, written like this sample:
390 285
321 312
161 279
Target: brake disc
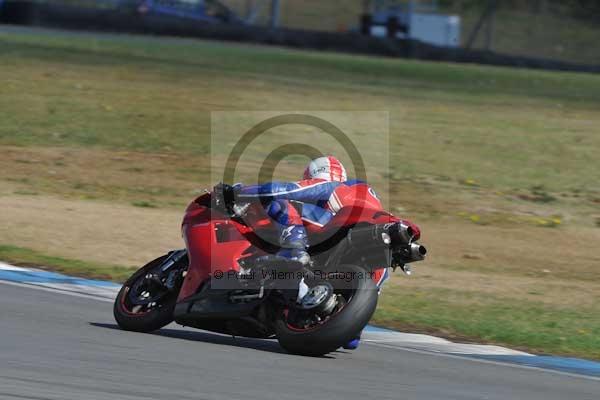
320 299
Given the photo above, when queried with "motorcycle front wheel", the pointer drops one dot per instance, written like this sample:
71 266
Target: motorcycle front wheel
358 297
142 306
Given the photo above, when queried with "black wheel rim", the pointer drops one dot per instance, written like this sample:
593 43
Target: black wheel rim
143 295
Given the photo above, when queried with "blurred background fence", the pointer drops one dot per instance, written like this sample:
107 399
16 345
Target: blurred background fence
564 30
557 30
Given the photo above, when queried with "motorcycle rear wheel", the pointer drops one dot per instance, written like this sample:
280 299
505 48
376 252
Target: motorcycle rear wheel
341 327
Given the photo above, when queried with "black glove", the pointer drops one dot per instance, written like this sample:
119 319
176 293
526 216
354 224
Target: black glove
224 198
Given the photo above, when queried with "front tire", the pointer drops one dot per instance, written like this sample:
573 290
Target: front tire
148 320
342 327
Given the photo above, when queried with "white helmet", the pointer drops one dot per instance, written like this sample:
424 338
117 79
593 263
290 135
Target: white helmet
328 168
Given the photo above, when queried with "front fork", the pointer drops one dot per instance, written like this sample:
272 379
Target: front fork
170 282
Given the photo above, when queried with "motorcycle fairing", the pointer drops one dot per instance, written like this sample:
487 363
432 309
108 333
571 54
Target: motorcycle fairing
216 243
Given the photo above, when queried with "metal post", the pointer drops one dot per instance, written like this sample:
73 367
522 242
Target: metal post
491 4
367 7
408 22
274 14
490 25
248 9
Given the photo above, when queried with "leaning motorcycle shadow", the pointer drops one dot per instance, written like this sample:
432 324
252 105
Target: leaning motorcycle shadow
267 345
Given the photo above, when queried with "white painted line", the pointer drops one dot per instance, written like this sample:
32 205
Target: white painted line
436 344
8 267
94 291
482 361
454 348
393 336
53 290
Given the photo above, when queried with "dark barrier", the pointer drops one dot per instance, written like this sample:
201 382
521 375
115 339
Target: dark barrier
18 12
130 21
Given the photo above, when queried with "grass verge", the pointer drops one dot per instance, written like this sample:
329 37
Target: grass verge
530 326
21 256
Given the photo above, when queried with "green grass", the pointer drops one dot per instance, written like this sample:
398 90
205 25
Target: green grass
506 128
27 257
144 204
178 59
533 326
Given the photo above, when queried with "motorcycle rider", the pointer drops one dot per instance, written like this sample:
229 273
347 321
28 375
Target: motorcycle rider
320 192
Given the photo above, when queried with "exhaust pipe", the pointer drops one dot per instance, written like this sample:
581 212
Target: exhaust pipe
417 252
406 232
402 232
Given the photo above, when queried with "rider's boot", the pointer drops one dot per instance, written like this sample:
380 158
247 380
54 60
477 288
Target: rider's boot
294 243
293 240
352 344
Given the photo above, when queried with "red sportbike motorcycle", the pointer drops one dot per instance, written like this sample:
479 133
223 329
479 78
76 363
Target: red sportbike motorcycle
227 280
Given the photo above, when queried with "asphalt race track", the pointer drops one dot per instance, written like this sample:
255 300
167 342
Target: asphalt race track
55 346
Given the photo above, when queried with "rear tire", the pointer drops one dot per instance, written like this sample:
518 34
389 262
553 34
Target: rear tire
341 328
148 321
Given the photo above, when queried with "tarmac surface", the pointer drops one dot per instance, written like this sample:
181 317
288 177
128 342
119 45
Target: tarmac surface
58 346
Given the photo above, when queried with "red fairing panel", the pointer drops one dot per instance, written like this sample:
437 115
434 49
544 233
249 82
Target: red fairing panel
350 216
206 254
358 195
359 203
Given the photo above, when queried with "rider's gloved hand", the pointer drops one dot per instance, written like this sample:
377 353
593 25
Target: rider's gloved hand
224 197
225 200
